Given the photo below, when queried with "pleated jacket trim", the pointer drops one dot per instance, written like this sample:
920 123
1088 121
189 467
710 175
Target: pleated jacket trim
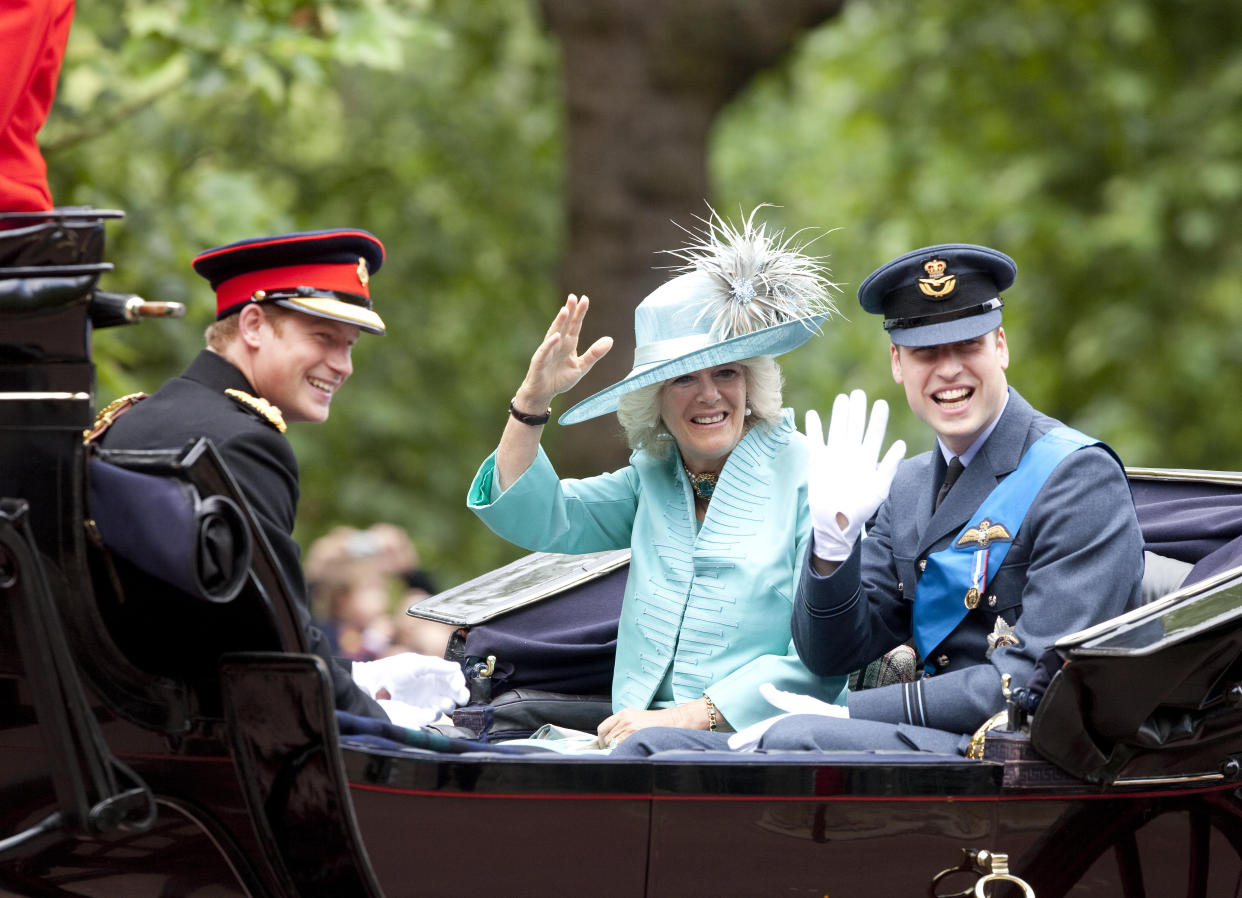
689 592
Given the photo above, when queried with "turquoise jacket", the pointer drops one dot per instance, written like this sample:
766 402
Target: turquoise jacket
711 602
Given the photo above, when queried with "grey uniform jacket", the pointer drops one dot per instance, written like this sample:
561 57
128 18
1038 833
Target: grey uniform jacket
1077 560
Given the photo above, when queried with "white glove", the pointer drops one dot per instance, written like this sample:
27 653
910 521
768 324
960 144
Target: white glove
844 482
407 715
413 679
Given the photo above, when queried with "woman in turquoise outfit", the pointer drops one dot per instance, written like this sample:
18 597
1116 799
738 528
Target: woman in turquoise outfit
713 503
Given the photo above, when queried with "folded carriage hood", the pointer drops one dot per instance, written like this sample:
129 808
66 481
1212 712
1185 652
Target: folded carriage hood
1153 694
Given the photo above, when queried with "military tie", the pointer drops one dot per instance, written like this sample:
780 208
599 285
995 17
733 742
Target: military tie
950 477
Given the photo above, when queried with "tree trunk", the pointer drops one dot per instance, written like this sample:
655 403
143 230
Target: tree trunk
644 80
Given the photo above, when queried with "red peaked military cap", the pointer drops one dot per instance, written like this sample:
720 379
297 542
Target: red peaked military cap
322 273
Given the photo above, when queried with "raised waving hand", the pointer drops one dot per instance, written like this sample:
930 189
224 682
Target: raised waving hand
846 478
555 368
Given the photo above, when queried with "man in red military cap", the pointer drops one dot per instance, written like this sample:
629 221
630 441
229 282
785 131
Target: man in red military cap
295 362
289 310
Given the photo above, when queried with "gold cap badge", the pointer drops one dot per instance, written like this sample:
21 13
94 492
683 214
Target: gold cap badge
268 412
937 284
364 274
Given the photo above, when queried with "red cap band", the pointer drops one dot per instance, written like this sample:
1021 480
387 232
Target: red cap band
339 278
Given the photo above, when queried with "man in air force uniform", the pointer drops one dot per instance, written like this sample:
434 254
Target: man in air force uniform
1013 531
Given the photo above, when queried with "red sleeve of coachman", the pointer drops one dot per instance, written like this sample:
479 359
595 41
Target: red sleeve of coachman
33 35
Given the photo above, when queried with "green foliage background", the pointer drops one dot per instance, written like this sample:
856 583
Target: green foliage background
435 126
1095 143
1099 144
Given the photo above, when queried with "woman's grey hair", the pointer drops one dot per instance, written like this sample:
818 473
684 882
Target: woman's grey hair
639 412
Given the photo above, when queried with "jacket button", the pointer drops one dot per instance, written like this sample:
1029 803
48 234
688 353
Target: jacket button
922 564
991 601
943 661
901 587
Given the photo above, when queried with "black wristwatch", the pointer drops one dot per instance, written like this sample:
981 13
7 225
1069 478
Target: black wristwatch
532 420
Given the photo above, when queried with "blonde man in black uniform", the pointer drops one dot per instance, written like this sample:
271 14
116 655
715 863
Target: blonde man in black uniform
289 310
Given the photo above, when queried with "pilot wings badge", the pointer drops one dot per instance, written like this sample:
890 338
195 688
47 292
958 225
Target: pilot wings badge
984 534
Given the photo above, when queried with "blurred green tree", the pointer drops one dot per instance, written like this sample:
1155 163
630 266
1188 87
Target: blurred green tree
1089 141
433 125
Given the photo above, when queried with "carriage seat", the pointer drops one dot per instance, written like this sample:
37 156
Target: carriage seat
182 571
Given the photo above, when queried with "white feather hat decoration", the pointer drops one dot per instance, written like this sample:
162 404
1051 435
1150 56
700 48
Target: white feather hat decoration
744 292
762 279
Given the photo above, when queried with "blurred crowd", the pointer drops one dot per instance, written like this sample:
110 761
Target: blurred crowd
361 582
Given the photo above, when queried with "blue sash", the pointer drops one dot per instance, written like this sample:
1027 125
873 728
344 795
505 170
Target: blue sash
956 576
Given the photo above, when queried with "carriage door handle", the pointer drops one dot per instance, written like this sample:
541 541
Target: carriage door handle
989 866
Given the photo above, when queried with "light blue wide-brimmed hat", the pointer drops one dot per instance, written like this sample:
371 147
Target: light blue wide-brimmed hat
744 293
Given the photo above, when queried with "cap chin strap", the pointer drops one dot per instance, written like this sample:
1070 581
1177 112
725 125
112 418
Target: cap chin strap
942 317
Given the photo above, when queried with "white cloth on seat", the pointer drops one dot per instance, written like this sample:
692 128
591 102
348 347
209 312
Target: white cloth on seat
791 703
562 740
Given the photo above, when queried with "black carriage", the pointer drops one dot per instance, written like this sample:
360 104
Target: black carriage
220 769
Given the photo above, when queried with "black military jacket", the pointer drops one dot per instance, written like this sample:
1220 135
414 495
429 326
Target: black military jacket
260 458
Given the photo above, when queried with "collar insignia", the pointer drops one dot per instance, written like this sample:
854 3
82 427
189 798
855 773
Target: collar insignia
1002 635
937 284
364 276
268 412
986 532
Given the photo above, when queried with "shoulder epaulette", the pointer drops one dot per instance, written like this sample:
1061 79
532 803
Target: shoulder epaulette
268 412
110 413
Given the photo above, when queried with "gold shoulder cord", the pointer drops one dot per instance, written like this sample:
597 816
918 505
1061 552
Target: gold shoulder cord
110 413
270 413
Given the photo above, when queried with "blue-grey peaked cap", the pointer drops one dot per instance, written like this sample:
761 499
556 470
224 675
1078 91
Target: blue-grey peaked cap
939 294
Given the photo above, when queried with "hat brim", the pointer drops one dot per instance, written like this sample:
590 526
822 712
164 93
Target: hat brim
336 310
773 340
947 331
